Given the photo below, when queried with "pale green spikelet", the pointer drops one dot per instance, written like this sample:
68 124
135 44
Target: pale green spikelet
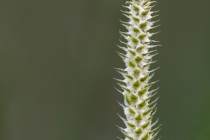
139 106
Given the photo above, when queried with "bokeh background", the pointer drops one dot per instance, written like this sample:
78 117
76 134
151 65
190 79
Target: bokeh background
57 60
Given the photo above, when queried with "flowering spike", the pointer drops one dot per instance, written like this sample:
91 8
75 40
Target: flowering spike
139 106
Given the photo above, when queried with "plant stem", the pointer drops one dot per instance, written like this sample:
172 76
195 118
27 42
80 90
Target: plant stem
136 86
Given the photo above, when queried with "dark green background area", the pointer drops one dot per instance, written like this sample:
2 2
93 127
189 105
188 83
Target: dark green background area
57 60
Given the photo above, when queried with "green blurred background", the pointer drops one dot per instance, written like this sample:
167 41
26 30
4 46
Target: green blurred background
57 60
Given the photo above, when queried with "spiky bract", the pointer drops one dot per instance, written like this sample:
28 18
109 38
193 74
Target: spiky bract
136 86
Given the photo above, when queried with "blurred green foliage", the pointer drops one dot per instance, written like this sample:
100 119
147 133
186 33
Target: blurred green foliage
57 61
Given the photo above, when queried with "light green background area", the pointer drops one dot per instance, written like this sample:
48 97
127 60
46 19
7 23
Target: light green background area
57 60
